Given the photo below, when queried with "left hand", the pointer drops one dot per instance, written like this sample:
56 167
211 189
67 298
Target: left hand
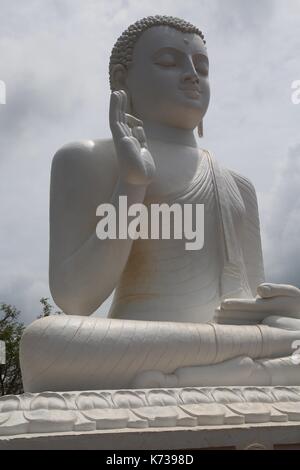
272 299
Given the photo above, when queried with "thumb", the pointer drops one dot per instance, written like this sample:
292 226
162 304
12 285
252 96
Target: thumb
267 290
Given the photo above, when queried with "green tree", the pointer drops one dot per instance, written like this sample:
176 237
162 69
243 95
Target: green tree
47 308
11 330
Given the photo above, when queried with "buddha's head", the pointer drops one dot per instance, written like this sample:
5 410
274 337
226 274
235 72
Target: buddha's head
162 64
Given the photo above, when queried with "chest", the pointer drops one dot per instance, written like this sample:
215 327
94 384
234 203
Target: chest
175 168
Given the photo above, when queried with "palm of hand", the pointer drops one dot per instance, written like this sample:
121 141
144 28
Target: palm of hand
272 300
135 161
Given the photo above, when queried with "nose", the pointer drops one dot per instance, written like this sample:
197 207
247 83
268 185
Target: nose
190 73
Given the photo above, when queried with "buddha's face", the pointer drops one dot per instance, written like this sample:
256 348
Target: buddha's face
168 79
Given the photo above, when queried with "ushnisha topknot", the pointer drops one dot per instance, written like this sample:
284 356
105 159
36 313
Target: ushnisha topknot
123 48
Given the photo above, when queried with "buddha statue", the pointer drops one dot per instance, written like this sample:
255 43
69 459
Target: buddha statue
178 317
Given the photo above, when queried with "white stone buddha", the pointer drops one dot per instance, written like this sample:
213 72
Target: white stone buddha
178 317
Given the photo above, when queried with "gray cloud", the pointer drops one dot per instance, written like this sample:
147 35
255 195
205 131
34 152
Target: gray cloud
282 222
237 17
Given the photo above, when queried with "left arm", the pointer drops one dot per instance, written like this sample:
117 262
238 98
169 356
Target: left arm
251 239
274 304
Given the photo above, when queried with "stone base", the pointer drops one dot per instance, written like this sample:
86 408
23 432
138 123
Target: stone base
245 437
186 418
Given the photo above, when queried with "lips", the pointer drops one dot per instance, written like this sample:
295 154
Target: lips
191 89
193 93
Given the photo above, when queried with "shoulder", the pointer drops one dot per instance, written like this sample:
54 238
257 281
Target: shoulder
89 165
86 153
234 179
84 171
244 184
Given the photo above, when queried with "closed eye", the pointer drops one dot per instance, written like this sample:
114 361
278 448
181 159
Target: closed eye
166 60
166 64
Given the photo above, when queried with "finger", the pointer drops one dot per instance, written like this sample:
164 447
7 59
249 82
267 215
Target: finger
136 143
113 108
121 115
246 305
137 130
116 127
123 107
239 317
285 323
122 97
139 134
126 129
244 318
123 104
132 121
141 137
268 290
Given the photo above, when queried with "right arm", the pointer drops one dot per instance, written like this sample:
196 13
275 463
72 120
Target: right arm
84 270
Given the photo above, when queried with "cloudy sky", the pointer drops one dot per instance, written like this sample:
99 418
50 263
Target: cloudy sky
54 59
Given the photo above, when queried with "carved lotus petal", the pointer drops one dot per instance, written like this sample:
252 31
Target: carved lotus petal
161 398
90 401
193 395
286 394
4 417
126 399
224 395
48 401
257 394
9 403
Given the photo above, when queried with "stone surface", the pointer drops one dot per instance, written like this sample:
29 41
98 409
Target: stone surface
190 418
49 412
264 436
111 354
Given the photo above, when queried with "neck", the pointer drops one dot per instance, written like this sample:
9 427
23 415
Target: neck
170 135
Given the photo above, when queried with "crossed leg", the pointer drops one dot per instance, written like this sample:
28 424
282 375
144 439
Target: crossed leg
238 371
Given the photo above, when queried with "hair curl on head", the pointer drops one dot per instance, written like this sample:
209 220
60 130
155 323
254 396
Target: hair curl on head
123 48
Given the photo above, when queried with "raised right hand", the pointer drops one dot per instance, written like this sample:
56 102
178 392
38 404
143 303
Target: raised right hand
136 163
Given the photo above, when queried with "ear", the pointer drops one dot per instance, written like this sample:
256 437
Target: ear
119 77
200 128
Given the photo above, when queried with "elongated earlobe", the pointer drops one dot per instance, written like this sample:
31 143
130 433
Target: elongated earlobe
200 129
